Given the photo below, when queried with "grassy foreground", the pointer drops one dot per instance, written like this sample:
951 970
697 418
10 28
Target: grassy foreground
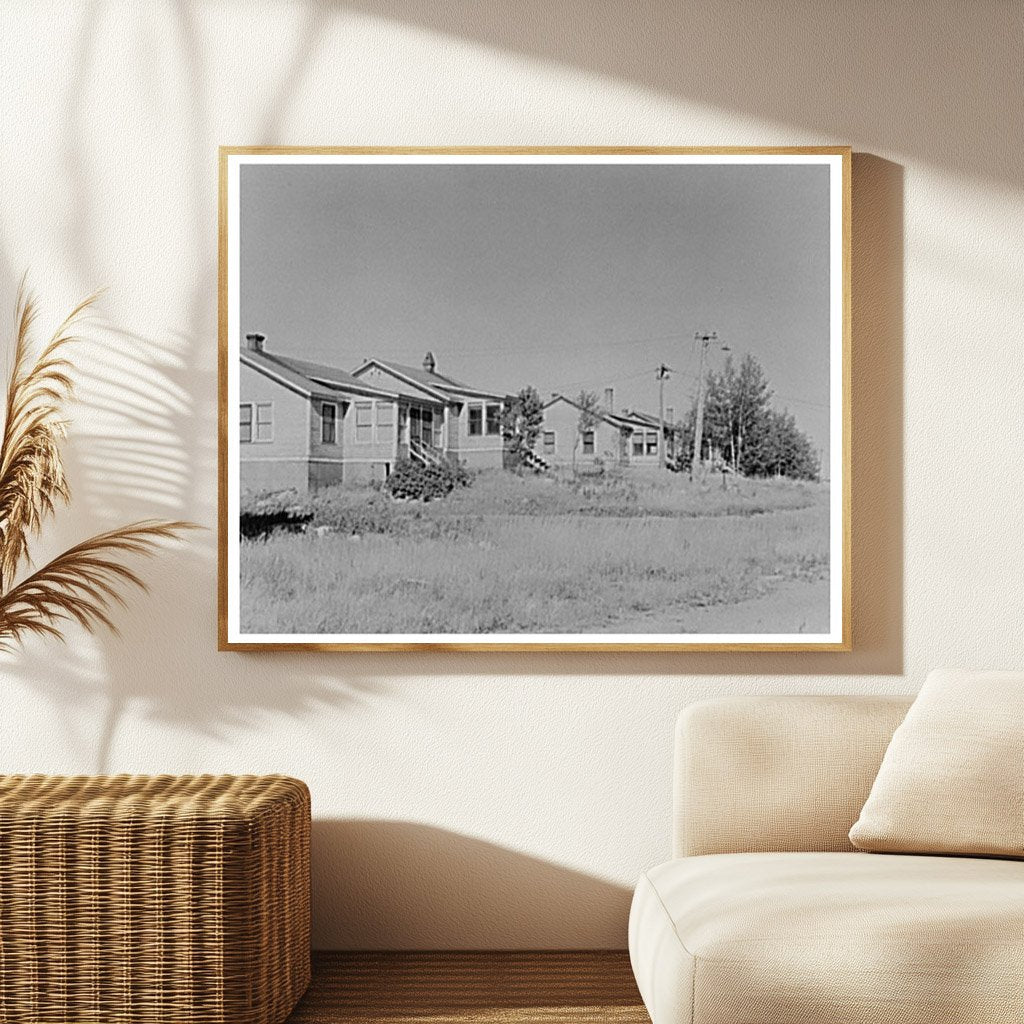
534 555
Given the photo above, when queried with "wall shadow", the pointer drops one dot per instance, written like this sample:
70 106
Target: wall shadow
136 454
143 443
404 885
798 65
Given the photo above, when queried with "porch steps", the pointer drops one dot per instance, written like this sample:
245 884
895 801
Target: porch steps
425 453
534 461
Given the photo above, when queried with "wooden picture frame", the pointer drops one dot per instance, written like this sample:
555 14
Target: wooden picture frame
355 260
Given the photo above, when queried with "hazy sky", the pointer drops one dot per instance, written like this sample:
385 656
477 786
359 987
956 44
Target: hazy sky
560 276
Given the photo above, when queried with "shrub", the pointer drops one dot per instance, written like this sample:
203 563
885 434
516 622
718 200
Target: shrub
259 515
414 480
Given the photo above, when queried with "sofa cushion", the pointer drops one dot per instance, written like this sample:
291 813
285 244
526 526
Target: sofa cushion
950 781
790 938
781 772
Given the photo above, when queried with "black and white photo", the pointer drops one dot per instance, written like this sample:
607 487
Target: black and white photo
579 398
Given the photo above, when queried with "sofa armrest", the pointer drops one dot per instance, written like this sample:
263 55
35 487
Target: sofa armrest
759 774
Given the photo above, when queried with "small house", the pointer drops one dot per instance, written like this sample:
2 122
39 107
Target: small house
303 425
629 438
562 442
445 416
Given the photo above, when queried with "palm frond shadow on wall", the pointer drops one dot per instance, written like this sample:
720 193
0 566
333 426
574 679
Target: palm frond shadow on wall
136 450
150 443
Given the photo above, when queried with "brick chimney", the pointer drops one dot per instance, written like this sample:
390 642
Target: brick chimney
609 399
255 342
429 363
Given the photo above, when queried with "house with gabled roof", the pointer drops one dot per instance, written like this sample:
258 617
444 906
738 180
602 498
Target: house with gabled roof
443 416
303 425
562 443
629 438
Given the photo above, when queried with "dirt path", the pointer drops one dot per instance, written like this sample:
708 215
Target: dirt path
793 606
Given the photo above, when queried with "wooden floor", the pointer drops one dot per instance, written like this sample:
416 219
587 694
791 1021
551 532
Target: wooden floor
462 988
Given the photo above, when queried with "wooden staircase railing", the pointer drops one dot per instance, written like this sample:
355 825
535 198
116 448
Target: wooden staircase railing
425 453
530 458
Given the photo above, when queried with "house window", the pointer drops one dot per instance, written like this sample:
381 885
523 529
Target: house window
588 442
255 422
476 420
245 423
364 422
329 423
493 418
385 421
638 444
549 442
652 443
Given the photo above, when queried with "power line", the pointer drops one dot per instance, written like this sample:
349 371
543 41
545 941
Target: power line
608 380
545 344
605 380
611 381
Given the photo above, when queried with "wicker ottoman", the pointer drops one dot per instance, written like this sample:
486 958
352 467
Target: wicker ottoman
136 900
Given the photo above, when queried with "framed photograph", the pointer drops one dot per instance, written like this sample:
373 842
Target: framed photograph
569 399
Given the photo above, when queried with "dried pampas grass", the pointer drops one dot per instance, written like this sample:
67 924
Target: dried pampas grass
83 583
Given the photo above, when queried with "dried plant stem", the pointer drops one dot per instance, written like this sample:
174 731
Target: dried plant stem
82 583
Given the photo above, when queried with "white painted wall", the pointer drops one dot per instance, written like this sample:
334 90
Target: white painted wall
502 800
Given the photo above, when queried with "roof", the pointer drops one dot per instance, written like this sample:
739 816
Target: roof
283 374
630 419
610 418
421 376
330 375
308 378
646 418
438 383
642 417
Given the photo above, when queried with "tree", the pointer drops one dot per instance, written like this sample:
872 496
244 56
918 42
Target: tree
520 425
736 409
782 449
590 415
741 424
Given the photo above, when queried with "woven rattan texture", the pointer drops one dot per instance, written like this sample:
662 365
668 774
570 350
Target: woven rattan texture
144 899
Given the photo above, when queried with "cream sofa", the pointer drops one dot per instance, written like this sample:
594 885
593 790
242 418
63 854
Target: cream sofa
768 915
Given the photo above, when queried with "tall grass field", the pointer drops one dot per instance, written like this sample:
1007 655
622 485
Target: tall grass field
615 554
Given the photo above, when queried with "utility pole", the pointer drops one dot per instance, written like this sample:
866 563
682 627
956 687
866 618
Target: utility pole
661 375
698 427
